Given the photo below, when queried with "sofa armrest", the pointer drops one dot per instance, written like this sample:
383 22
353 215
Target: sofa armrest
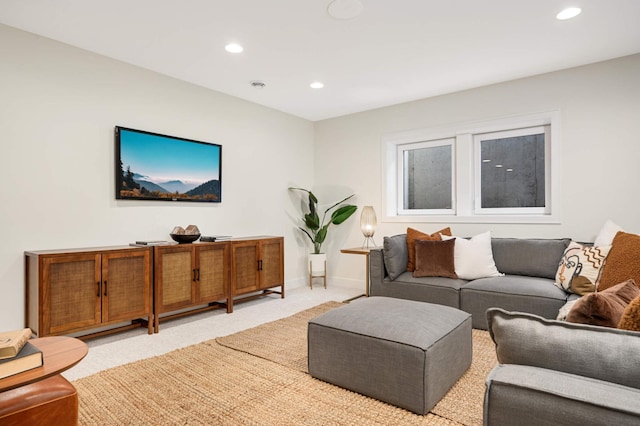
523 395
376 270
598 352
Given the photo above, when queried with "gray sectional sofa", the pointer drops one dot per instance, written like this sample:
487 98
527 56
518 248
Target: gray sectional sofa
529 266
550 372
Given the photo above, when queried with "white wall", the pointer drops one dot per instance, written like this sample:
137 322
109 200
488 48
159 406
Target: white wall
58 109
599 108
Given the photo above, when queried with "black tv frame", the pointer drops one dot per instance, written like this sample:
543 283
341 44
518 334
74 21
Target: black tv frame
121 170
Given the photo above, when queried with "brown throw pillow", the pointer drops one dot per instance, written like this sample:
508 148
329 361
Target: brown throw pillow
435 259
413 235
604 308
631 316
622 262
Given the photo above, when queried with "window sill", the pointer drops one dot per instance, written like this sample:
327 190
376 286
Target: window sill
506 219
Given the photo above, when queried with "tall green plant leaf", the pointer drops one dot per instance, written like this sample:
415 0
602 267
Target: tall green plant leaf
313 201
322 234
312 221
339 202
342 214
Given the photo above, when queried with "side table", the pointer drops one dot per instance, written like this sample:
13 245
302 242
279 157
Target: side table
59 354
41 395
362 251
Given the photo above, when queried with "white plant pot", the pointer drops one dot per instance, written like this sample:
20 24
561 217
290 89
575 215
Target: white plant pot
318 264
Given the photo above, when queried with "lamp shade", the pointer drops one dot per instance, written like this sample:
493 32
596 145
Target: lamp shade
368 221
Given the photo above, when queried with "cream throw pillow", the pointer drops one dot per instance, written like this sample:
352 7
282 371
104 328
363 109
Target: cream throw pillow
473 257
607 234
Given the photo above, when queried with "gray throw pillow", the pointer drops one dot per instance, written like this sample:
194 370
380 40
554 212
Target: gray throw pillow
584 350
534 257
396 255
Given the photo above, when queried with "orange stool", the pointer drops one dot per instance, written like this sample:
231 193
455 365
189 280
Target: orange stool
52 401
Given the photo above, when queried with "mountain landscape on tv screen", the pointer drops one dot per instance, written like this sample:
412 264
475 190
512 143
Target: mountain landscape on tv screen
135 185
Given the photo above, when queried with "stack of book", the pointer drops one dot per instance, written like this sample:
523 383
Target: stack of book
212 238
153 243
17 354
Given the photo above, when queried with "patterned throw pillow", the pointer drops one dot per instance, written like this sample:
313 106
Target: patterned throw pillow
580 268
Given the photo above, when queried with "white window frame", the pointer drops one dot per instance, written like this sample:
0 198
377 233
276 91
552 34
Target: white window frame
479 138
401 190
465 166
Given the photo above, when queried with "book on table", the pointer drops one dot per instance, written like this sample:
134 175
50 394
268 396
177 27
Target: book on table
213 238
12 341
28 358
153 243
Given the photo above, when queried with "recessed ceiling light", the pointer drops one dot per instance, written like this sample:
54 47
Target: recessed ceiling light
316 85
568 13
233 48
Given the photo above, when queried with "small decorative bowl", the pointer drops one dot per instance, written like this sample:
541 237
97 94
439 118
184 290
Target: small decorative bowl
184 238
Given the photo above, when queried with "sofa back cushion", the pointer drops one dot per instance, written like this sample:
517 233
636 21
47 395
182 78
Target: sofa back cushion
585 350
528 256
395 254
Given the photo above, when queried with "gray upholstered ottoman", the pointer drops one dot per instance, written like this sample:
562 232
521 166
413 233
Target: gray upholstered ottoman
399 351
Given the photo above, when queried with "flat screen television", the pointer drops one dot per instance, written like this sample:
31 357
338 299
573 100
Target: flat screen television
151 166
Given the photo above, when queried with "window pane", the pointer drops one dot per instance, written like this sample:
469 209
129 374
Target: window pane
428 178
513 172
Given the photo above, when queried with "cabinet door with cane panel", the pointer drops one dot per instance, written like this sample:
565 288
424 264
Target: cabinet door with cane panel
190 275
71 291
257 264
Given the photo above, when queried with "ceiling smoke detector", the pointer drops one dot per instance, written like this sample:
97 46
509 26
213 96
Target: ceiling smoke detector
344 9
258 84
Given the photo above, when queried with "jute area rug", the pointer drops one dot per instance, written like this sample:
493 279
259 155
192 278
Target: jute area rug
258 377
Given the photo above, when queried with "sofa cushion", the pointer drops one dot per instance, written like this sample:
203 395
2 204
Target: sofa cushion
473 257
413 235
435 259
395 255
517 285
631 316
597 352
580 268
622 262
528 256
604 308
511 292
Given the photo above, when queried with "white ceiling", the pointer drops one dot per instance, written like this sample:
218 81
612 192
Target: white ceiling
395 51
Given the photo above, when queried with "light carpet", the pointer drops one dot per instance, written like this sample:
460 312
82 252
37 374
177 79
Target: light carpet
258 377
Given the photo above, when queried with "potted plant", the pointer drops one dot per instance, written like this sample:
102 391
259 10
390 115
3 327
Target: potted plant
317 229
